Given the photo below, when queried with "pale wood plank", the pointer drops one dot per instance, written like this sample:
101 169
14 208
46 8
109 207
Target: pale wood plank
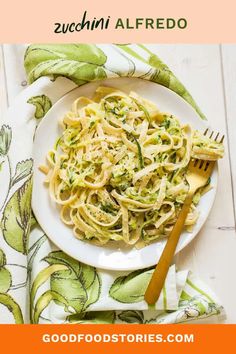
229 68
14 68
3 91
212 253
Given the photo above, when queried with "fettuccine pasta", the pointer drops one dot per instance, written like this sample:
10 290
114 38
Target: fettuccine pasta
118 169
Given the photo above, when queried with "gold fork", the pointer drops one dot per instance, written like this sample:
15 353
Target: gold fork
198 173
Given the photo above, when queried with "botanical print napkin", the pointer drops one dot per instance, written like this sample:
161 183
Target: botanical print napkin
39 283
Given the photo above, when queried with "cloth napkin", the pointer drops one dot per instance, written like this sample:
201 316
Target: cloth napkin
38 282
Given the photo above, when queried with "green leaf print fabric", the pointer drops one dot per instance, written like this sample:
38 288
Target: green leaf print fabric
83 63
42 104
38 282
16 218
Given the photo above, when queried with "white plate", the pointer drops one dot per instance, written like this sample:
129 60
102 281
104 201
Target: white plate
46 211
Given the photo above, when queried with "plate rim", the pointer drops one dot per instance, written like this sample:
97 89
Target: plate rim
70 251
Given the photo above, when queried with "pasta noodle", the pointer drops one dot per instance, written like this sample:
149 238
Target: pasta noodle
118 169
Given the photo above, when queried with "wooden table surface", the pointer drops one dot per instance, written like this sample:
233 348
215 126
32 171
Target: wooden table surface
209 72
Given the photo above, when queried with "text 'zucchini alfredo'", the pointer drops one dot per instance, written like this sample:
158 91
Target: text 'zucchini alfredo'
118 169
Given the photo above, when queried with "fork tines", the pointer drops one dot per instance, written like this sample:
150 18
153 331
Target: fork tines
201 164
212 133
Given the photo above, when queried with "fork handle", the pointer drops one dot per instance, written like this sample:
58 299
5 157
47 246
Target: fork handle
159 275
